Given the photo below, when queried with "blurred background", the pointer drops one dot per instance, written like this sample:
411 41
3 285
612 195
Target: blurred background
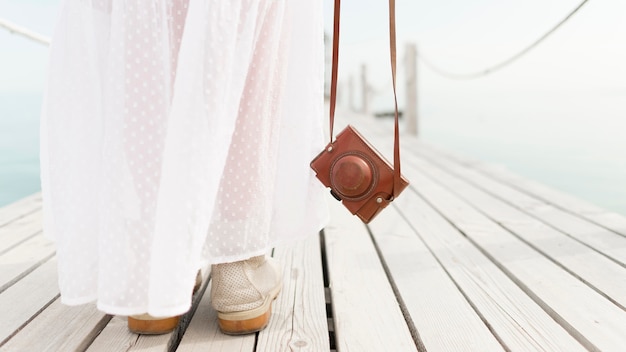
22 75
556 115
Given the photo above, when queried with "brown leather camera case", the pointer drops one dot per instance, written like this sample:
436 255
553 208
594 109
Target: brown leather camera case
357 174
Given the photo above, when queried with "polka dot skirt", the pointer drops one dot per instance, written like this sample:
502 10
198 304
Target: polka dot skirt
177 133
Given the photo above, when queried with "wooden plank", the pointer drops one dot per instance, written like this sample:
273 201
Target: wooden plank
604 241
594 321
203 333
115 337
605 218
590 266
608 219
20 208
601 239
152 343
20 230
59 328
24 300
514 317
443 317
518 322
298 320
366 314
19 261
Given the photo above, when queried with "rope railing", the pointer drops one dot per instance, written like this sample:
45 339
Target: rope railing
24 32
428 63
472 75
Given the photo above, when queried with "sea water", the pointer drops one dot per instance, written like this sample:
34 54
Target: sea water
19 145
575 145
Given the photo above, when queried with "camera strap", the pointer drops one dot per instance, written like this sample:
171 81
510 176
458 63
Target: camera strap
333 86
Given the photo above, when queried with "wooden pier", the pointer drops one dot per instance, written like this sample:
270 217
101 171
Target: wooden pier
470 258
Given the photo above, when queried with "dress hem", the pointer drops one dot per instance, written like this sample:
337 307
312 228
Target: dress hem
159 313
182 309
79 300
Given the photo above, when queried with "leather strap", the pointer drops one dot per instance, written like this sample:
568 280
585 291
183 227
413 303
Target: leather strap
333 86
333 78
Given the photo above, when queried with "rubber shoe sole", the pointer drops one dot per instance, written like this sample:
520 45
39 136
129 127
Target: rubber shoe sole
147 325
248 321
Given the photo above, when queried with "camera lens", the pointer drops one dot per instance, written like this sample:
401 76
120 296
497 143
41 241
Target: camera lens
352 176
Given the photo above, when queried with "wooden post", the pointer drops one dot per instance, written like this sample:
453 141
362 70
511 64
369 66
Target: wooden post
364 90
410 108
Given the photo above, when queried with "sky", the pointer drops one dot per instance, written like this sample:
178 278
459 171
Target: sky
458 35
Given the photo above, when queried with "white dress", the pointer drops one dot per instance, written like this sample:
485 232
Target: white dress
177 133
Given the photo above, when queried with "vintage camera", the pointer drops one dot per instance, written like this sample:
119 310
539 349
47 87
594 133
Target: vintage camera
357 174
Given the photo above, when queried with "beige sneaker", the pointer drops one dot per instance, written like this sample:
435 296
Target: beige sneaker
242 293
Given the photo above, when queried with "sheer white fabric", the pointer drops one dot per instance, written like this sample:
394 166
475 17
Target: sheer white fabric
177 133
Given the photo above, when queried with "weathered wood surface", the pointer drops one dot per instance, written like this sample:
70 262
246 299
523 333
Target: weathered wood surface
366 313
298 314
299 320
599 271
432 298
34 319
563 201
470 258
19 209
60 328
567 263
